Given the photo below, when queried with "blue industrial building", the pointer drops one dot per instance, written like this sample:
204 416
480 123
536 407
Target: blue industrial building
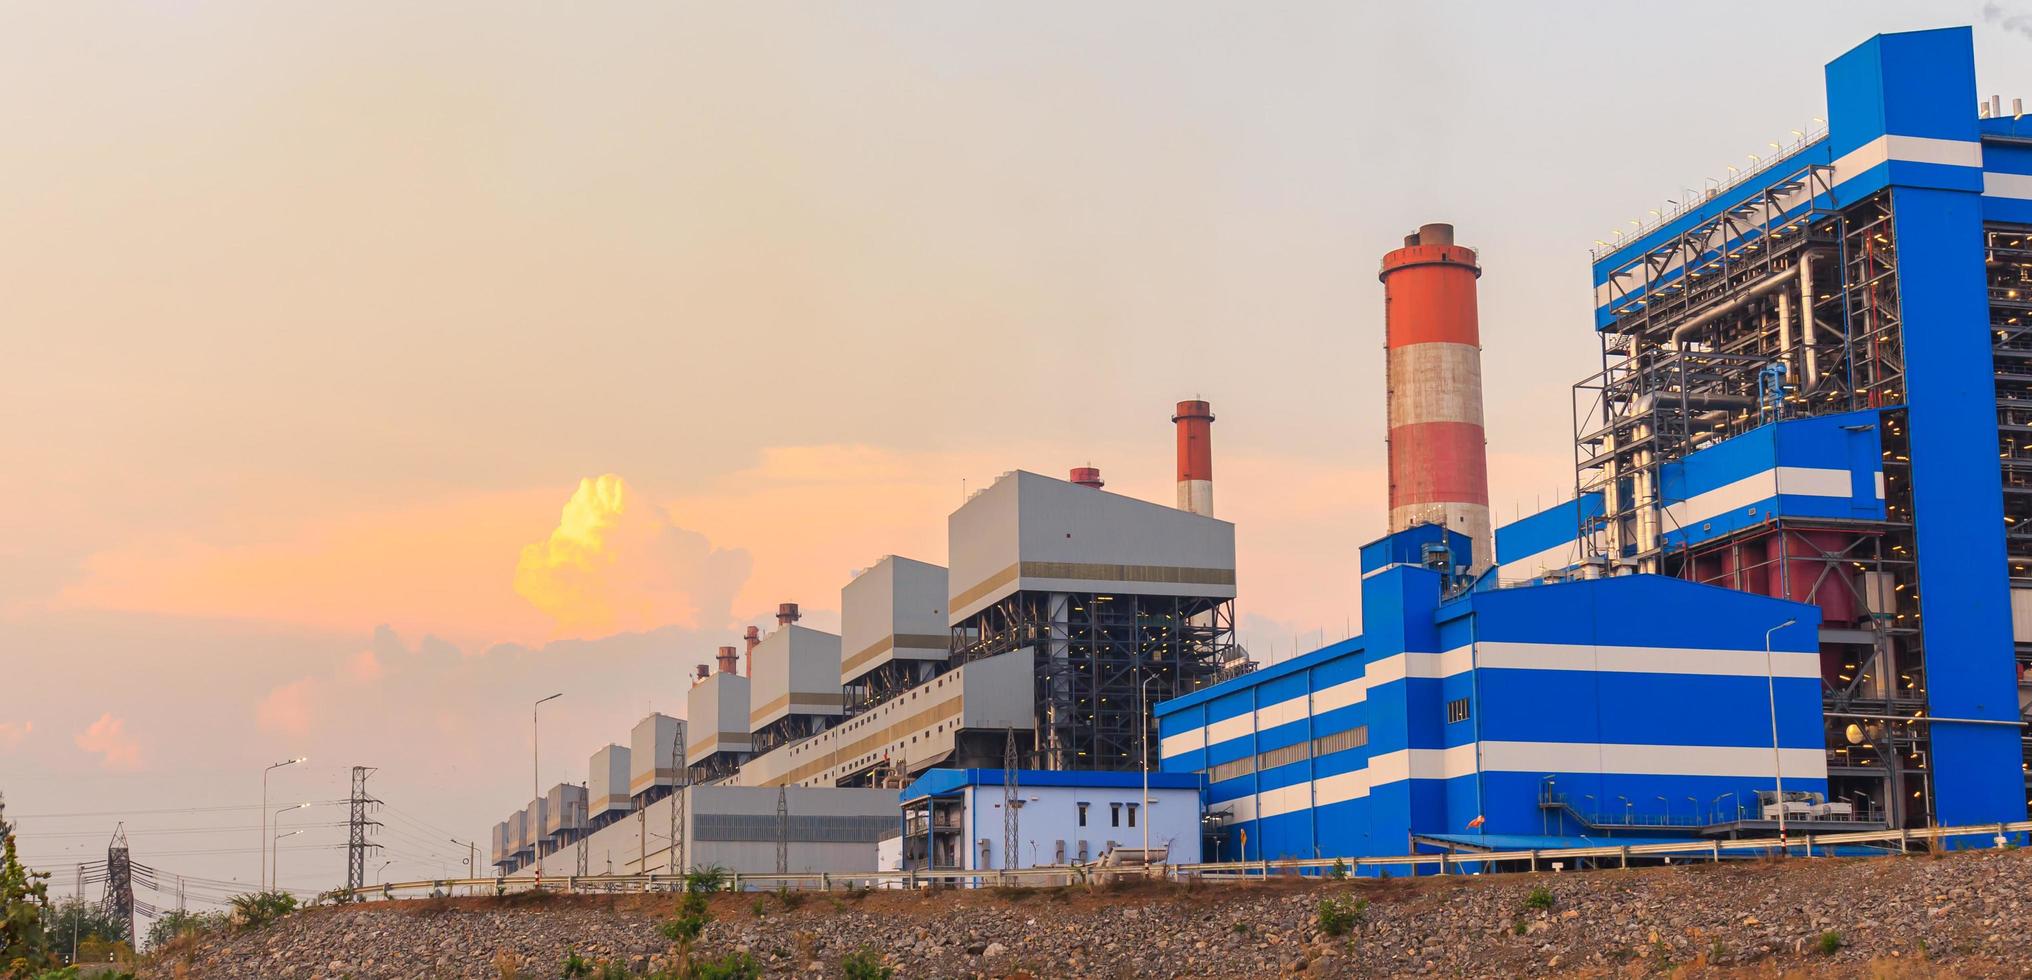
1467 710
1815 405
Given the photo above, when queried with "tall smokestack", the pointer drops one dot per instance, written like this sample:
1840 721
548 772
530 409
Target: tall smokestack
1087 476
754 639
1439 468
786 613
727 660
1195 420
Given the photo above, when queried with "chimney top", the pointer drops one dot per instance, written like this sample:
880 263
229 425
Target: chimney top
727 660
786 613
1087 476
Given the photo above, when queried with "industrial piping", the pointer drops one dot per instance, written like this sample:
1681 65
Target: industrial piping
1439 470
1195 421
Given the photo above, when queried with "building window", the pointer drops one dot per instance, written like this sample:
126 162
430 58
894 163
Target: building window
1456 710
1282 757
1082 814
1229 770
1353 738
1114 814
1132 814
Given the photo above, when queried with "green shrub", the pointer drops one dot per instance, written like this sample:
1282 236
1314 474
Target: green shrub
1339 870
789 898
256 909
733 966
708 879
1540 898
1828 943
575 966
1338 916
865 964
692 916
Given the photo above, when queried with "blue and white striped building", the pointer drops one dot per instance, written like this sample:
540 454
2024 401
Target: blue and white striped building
1628 701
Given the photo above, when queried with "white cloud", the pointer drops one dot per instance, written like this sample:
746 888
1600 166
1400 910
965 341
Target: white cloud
289 709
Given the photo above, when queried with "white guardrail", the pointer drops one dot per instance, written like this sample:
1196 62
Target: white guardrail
1995 834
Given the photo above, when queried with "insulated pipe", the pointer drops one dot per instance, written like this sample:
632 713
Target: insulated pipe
1681 333
1195 420
1438 461
1807 327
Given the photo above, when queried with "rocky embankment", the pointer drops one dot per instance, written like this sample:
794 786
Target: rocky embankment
1964 916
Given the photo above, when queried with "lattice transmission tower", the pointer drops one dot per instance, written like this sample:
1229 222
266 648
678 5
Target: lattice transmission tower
118 902
358 825
1012 797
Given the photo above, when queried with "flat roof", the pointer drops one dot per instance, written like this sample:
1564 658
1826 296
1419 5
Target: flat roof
941 782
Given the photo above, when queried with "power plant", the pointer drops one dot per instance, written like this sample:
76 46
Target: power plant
1789 593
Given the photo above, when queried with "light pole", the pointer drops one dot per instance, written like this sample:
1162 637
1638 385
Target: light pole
278 826
276 865
472 856
377 871
264 812
1143 719
1777 760
536 781
1718 805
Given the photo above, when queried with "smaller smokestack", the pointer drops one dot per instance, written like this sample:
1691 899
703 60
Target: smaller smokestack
704 671
754 639
727 660
1437 233
786 613
1195 420
1087 476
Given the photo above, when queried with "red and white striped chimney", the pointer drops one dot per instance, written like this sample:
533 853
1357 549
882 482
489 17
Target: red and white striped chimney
1195 421
1439 468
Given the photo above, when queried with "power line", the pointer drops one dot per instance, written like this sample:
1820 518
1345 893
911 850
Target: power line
123 813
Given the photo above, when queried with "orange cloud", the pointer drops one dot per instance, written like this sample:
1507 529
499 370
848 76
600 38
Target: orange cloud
108 738
13 733
616 562
437 566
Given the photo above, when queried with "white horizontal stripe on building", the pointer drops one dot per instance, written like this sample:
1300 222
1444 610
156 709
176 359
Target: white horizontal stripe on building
2007 185
1190 740
1644 660
1560 556
1647 760
1797 480
1752 762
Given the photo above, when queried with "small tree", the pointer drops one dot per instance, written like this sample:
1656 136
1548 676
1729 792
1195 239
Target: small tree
24 899
178 923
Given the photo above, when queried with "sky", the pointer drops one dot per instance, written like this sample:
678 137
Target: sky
375 369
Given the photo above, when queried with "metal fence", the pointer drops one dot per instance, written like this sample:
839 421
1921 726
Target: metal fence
1473 862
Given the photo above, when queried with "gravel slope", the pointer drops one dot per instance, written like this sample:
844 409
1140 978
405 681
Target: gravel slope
1963 915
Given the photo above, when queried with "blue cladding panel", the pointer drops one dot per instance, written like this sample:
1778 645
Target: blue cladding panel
1920 83
1617 612
1549 528
1407 547
1958 506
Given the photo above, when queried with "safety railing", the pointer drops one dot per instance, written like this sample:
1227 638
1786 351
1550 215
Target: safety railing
1470 862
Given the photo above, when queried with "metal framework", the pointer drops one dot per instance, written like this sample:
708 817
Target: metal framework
358 825
118 901
1093 651
1787 306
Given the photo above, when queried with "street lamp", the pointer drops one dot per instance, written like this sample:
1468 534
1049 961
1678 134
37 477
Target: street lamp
278 826
276 865
1143 720
264 810
383 867
1718 804
1777 760
1629 810
536 781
